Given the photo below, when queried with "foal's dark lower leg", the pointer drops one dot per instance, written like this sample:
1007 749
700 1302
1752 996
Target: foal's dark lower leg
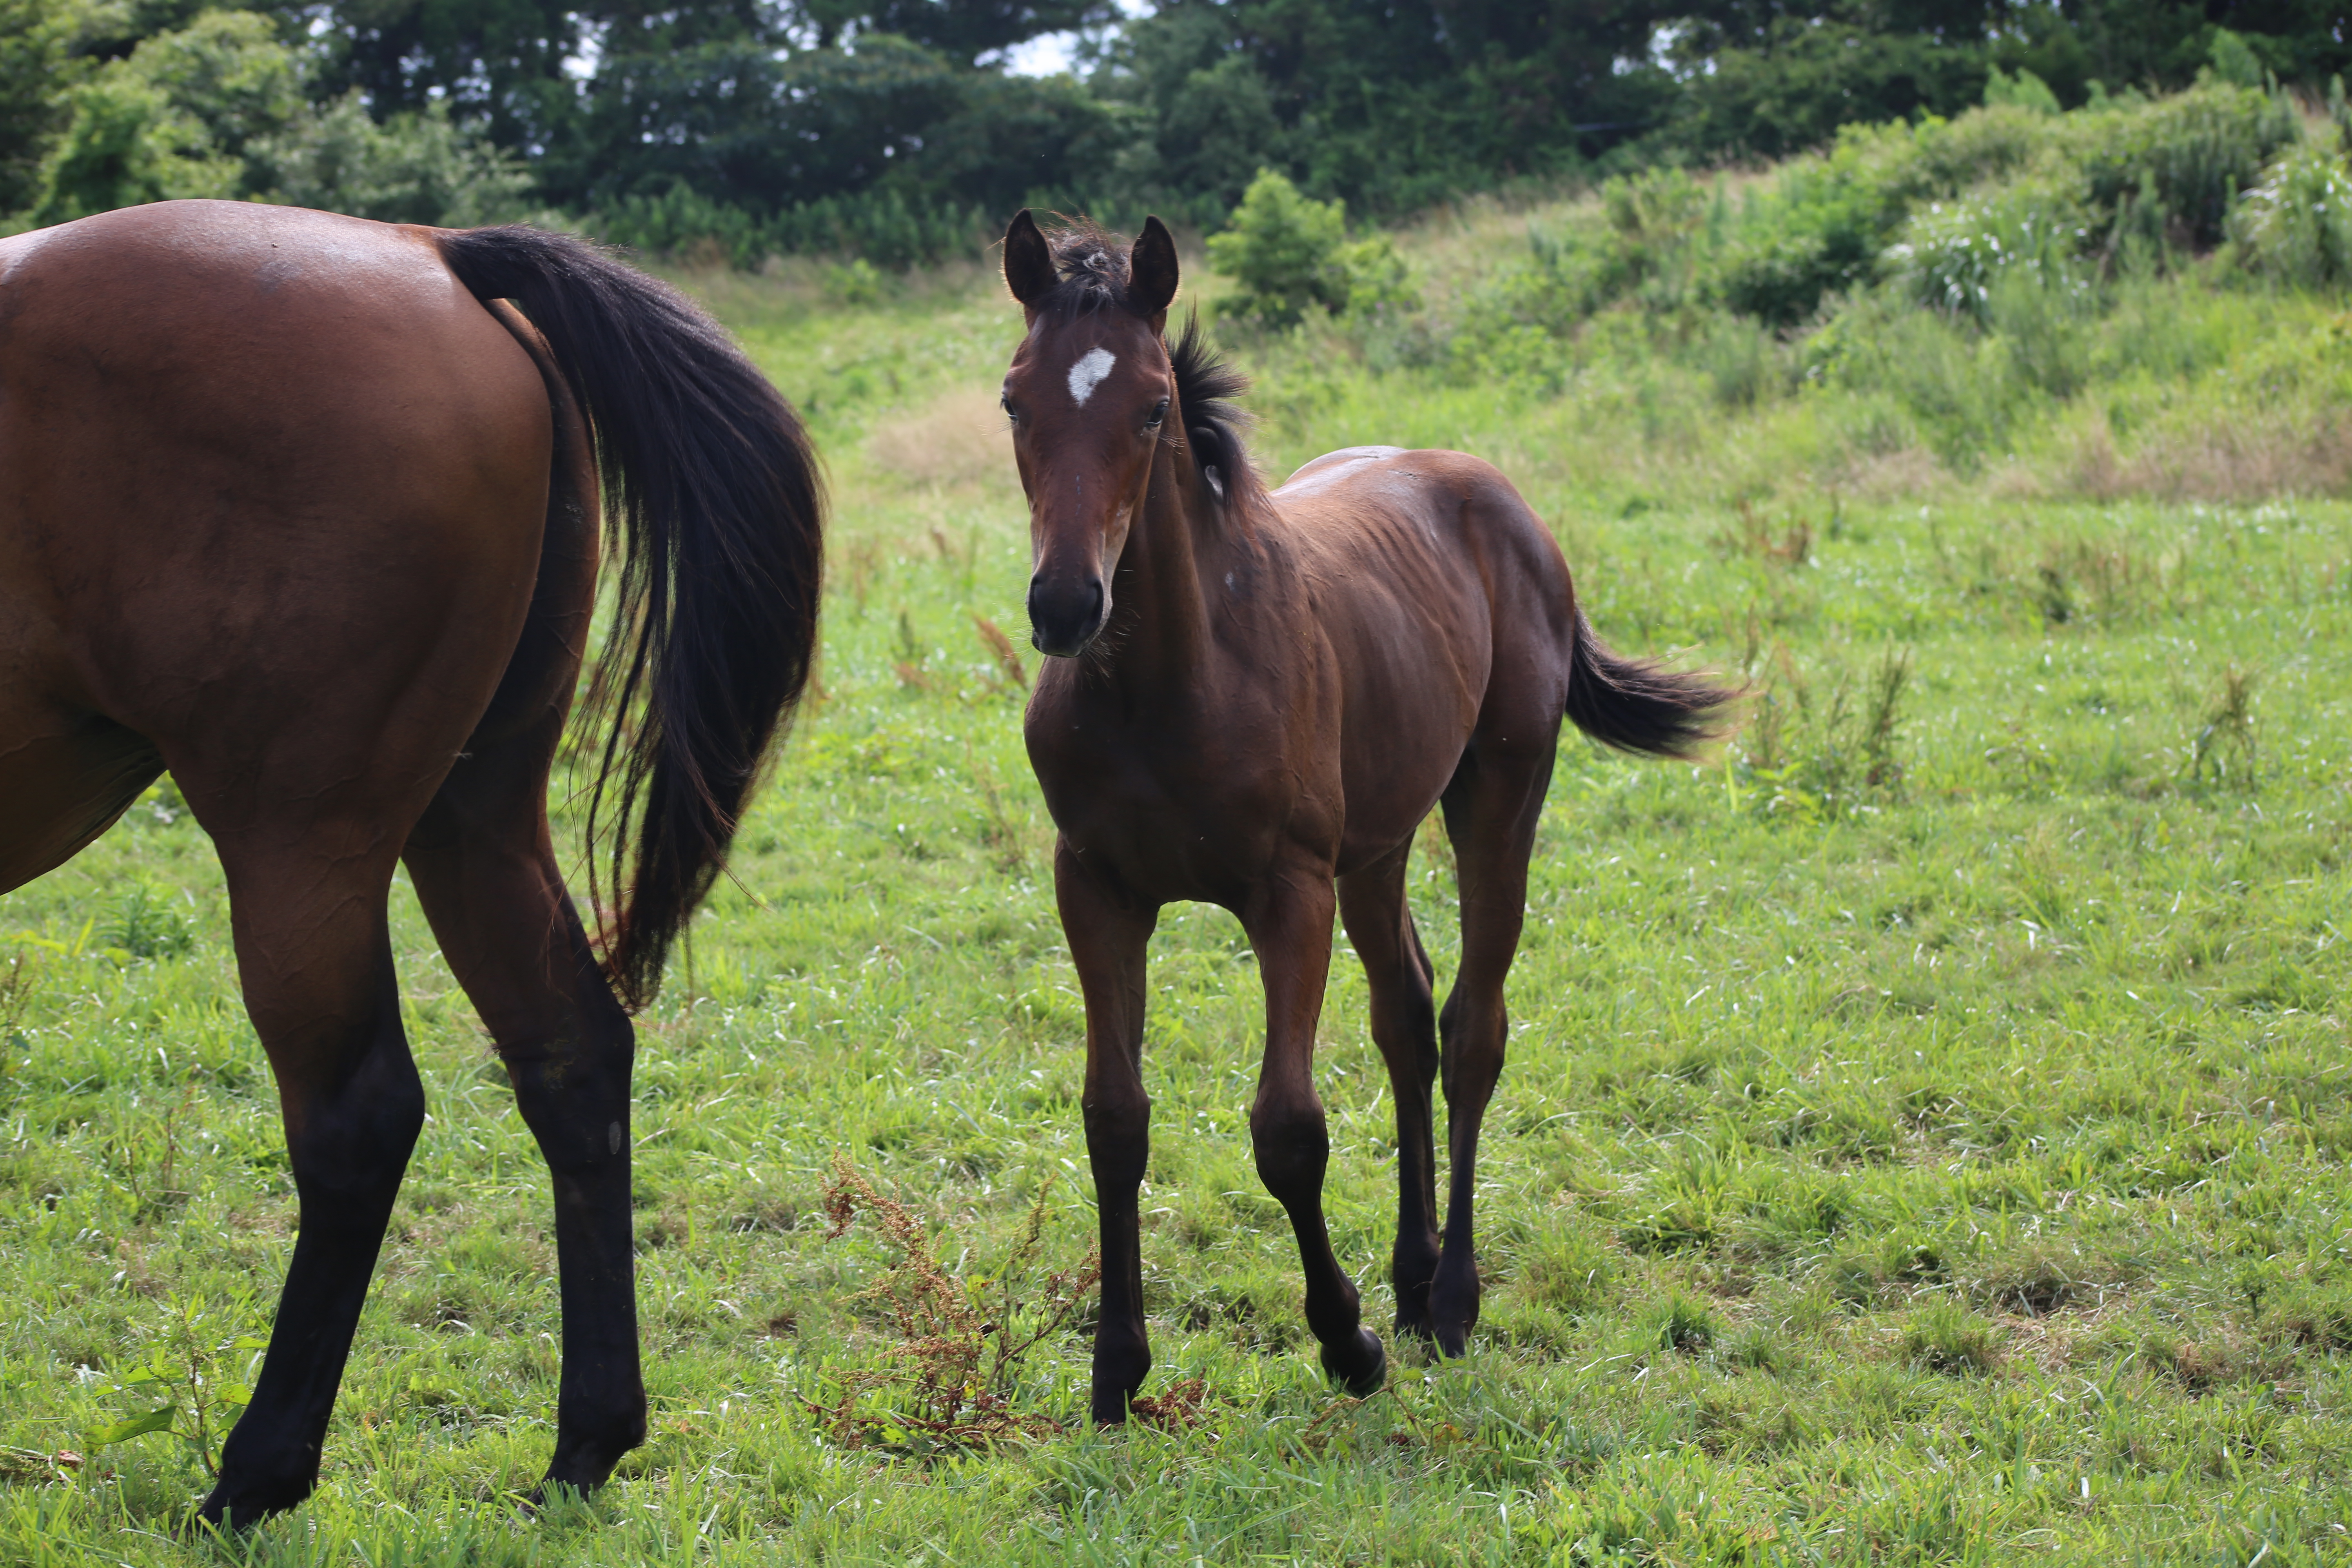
1405 1027
1491 811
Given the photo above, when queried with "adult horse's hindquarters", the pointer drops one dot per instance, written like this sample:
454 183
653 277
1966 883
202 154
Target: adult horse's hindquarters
1262 695
299 507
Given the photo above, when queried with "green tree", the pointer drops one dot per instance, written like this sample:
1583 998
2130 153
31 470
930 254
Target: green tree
415 167
36 71
125 145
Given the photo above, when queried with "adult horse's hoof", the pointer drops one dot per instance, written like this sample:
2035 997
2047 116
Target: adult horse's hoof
1360 1366
238 1508
553 1493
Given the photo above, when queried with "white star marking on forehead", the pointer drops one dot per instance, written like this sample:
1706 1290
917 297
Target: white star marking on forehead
1088 372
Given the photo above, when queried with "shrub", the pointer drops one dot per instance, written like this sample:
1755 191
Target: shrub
1950 254
1284 249
2024 90
2189 155
2296 224
882 227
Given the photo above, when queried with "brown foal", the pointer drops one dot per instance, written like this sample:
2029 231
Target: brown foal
1255 696
306 509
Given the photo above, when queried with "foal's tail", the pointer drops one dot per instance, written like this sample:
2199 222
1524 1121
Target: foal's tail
714 508
1638 704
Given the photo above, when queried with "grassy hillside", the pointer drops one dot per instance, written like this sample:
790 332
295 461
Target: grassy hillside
1925 1134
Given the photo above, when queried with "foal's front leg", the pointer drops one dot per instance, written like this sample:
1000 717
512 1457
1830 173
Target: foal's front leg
1289 925
1109 931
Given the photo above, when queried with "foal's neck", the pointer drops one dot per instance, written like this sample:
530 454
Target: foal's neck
1166 584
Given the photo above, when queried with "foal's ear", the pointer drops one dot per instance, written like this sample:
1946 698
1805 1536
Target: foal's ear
1152 269
1028 261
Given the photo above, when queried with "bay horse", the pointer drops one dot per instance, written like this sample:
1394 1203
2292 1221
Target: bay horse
1253 696
307 509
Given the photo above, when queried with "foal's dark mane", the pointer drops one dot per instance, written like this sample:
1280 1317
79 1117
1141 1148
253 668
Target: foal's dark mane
1092 262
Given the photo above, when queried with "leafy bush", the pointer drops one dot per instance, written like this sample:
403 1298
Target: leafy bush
1950 254
2296 224
2024 90
1291 253
2188 155
883 226
1283 248
171 119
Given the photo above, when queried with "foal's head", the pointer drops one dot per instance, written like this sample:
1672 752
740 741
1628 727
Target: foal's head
1090 395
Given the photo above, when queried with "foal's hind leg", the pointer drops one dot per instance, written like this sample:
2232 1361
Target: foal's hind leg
485 872
1289 925
1404 1025
1492 809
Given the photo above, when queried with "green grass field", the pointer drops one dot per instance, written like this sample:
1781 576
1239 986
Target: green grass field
1924 1139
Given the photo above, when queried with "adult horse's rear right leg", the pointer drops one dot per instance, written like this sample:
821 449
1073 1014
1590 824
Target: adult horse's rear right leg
315 956
484 870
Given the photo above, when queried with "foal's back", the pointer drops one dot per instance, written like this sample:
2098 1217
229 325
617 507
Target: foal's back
1449 614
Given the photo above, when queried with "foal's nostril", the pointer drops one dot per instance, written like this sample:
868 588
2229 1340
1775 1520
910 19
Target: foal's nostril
1064 615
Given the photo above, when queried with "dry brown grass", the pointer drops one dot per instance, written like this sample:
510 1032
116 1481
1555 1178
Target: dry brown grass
2228 458
957 439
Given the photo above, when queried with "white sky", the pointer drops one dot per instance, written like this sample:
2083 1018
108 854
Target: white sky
1053 52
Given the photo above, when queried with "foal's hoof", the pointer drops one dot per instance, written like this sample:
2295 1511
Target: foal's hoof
1360 1367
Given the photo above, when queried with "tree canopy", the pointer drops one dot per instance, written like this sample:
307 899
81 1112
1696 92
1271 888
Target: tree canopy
820 122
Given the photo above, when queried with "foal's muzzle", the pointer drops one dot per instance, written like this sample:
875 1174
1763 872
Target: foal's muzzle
1064 616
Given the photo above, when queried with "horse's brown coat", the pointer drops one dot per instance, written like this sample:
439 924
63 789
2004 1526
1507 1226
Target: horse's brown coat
1261 696
286 507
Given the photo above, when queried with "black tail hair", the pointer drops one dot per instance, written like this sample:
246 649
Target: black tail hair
714 507
1638 704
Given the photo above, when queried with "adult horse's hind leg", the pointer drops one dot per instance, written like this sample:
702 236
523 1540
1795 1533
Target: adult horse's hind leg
1492 809
1379 920
484 870
315 955
1289 926
484 865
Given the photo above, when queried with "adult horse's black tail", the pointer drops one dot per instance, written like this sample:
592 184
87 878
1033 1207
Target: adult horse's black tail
713 505
1638 704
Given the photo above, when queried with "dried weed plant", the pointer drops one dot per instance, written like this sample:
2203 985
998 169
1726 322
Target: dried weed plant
1000 647
960 1344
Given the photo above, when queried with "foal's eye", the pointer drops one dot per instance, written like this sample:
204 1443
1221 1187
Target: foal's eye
1158 412
1004 401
